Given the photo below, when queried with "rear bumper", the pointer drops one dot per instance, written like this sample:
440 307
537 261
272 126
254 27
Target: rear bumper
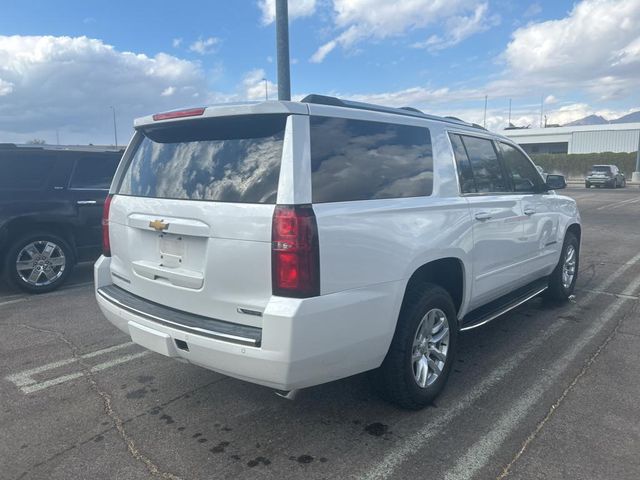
302 342
600 180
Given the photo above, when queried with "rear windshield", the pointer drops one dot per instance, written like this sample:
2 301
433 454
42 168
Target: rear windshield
227 159
600 168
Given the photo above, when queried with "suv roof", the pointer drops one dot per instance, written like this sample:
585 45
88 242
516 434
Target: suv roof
65 148
280 106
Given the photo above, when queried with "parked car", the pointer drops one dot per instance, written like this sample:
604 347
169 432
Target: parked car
605 175
51 201
295 243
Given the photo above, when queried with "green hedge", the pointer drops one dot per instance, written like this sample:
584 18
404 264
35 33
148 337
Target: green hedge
576 166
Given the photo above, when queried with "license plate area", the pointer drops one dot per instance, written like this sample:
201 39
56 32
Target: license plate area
172 249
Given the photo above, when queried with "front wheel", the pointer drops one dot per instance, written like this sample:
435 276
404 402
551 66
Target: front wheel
38 262
563 279
422 351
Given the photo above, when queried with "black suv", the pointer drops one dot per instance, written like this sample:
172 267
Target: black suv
605 175
51 201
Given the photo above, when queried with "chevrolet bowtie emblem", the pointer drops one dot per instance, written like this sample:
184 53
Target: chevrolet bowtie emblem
159 225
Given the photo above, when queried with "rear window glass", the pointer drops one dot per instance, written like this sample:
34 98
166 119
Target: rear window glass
363 160
601 168
95 172
25 170
227 159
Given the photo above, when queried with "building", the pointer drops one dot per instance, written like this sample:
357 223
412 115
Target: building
613 137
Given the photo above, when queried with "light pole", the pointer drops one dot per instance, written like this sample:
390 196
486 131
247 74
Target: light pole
282 47
115 129
266 89
635 176
484 122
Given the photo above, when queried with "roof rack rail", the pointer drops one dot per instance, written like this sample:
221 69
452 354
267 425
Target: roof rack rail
406 111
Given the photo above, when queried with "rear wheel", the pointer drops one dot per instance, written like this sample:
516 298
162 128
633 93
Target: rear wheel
587 185
38 262
422 351
563 278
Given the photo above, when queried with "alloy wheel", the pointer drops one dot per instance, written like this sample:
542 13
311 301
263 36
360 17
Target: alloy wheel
430 347
40 263
569 267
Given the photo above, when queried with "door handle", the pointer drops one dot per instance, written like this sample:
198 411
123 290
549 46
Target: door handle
86 202
483 216
529 211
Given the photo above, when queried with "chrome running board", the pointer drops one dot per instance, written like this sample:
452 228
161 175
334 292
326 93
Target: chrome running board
483 315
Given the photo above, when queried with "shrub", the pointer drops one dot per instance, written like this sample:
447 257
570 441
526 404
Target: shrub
577 165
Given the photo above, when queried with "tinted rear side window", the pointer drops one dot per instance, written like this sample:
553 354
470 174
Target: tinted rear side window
226 159
95 172
487 172
465 174
361 160
25 170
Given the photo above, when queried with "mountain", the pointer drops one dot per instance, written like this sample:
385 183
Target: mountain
631 117
598 120
589 120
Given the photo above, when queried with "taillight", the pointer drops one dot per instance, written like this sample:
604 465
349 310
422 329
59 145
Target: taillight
106 244
190 112
295 252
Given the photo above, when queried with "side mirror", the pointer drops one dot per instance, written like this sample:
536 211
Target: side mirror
556 182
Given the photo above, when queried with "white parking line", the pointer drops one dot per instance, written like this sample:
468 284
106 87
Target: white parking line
15 300
484 449
420 439
27 384
619 204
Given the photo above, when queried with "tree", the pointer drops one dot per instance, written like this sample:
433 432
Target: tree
37 141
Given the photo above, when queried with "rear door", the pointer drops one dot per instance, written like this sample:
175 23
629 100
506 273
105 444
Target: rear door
190 222
498 249
88 187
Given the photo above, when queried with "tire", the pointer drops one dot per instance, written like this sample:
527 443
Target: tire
53 262
624 183
587 185
399 376
561 287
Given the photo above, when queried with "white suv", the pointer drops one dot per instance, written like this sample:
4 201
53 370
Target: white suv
295 243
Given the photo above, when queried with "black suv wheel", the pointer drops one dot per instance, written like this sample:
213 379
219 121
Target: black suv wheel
422 351
38 262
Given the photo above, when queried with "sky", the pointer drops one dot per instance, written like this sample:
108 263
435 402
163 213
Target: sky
67 66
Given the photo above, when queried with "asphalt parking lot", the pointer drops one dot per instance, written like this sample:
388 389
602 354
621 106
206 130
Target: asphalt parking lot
546 391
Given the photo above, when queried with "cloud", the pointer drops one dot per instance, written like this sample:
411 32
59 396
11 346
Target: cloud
532 10
253 86
323 51
5 87
378 19
205 46
176 42
68 83
459 28
297 8
597 47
